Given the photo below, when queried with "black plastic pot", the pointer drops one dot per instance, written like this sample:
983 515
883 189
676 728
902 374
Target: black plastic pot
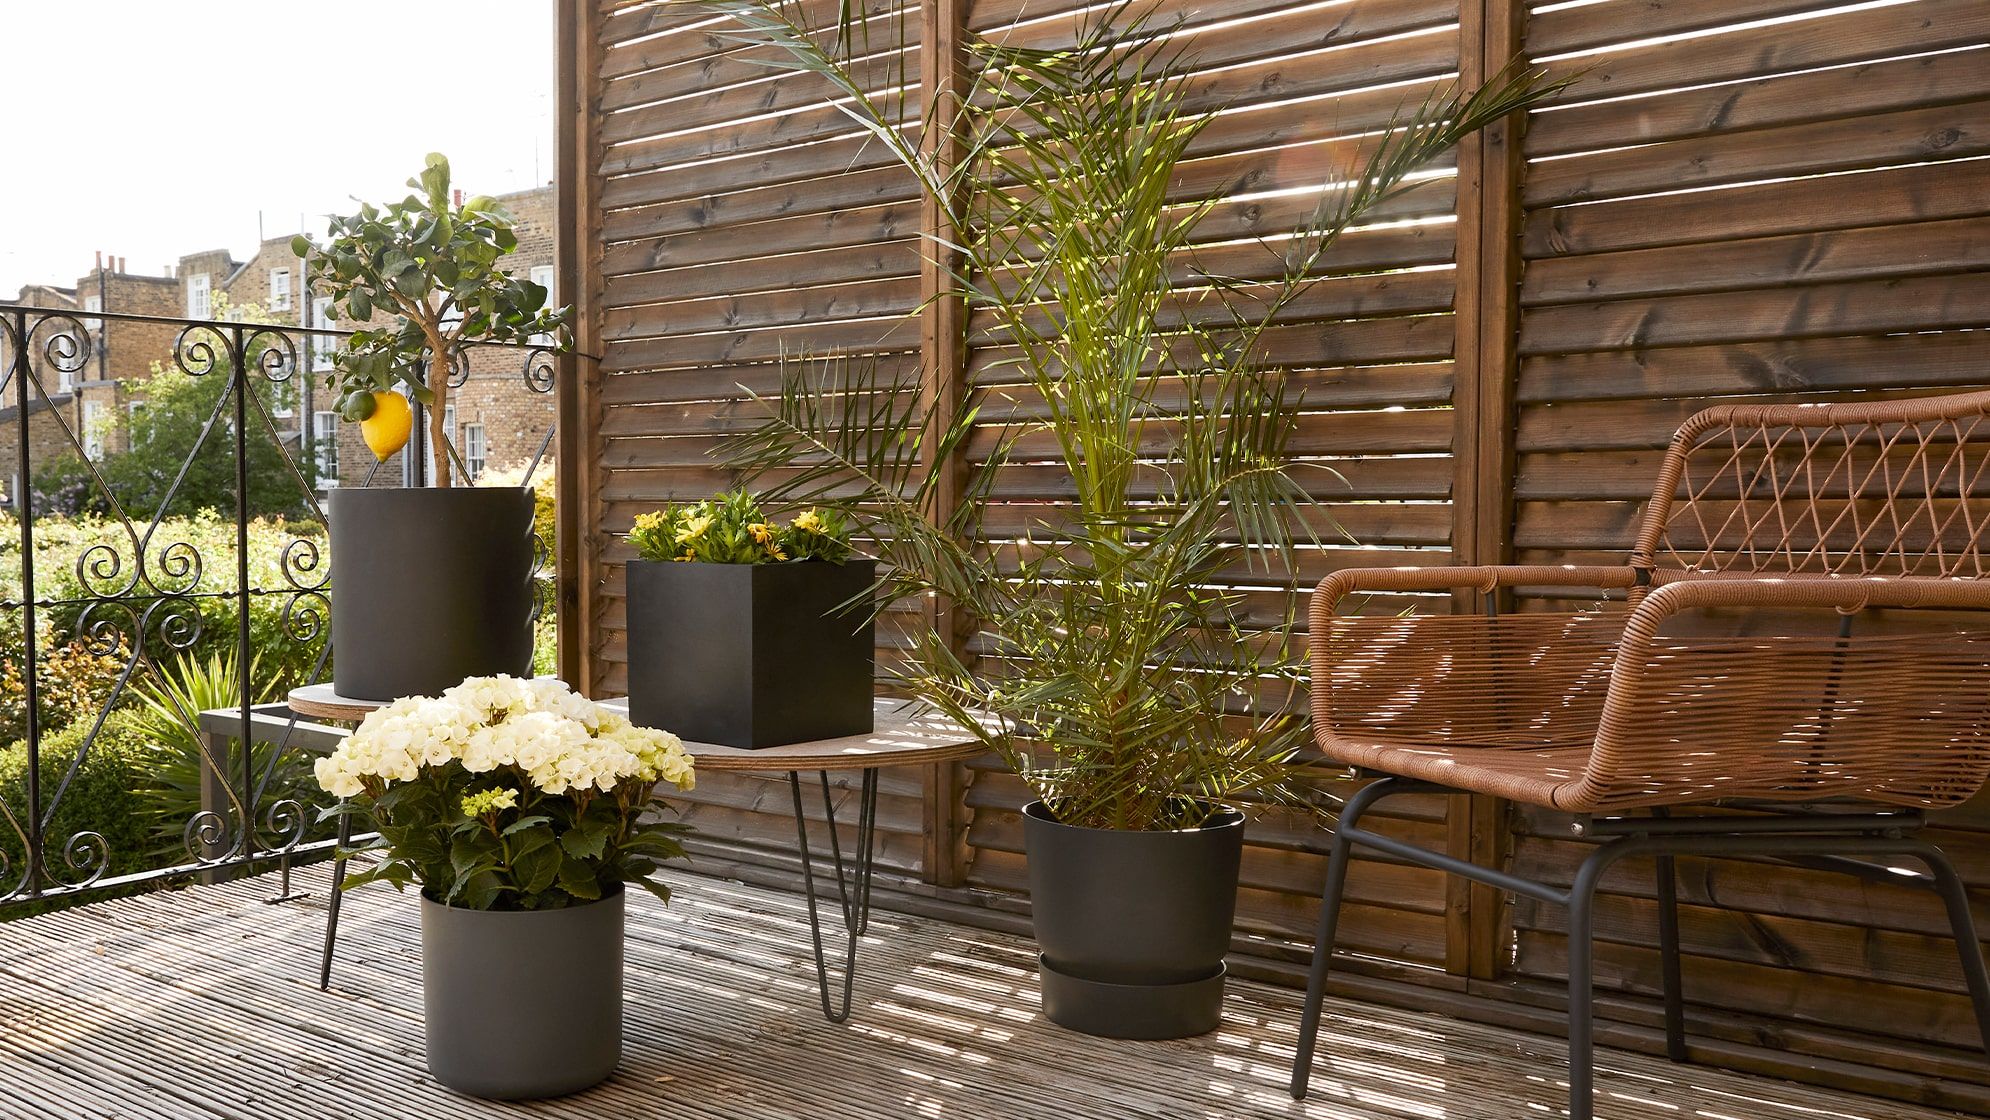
429 587
522 1004
1133 925
750 655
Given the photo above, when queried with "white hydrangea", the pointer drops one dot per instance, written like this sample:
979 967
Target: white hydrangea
558 739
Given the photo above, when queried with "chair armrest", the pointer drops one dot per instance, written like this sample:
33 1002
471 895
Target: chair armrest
1485 577
1676 593
1520 680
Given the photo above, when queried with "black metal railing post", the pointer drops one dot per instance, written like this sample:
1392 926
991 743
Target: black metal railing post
242 389
24 503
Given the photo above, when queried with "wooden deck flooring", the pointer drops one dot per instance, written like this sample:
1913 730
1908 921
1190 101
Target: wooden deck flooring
200 1004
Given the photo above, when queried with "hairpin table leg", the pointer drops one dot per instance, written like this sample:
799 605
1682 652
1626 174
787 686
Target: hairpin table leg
853 883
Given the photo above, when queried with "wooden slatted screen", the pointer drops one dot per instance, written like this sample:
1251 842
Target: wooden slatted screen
1751 200
1743 199
741 219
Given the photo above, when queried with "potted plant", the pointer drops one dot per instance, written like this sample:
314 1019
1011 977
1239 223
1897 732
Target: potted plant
434 584
745 632
520 810
1124 676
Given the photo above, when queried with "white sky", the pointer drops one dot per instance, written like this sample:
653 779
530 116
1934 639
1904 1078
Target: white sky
155 128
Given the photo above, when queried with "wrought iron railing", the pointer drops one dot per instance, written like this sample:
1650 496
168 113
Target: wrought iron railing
137 592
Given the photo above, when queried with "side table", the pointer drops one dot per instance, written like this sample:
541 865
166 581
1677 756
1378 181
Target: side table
904 733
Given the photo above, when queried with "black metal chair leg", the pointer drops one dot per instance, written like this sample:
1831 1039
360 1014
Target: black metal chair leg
1316 977
1582 975
1338 858
332 903
1955 896
1668 959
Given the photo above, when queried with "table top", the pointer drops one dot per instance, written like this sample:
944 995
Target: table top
904 733
322 701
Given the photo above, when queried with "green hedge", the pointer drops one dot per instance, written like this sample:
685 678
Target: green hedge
105 797
68 548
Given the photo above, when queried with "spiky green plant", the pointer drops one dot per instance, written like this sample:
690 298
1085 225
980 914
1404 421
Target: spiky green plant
175 761
1122 675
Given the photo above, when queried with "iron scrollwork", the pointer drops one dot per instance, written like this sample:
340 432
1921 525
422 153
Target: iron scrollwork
149 594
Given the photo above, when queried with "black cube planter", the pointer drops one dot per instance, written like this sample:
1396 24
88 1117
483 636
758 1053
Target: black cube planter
750 655
1133 925
429 587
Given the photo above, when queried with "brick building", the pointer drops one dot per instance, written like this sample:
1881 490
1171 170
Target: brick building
494 420
72 406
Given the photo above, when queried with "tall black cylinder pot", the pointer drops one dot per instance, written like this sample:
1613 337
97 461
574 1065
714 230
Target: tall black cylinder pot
1133 925
429 586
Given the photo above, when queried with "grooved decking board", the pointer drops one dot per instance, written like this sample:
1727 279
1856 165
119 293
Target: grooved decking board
200 1004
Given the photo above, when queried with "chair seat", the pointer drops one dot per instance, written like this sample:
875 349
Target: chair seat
1532 776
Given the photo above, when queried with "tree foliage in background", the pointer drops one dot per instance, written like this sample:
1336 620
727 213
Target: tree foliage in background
1130 682
432 268
174 451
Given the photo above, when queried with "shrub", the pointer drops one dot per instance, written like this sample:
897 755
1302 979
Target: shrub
102 798
170 757
73 679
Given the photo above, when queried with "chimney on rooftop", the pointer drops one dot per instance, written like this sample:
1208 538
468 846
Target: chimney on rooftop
100 259
456 196
120 266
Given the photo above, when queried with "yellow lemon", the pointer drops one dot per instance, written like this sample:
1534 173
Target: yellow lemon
387 430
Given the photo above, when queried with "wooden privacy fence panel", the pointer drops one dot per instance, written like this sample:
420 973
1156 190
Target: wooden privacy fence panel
740 219
1797 210
1742 199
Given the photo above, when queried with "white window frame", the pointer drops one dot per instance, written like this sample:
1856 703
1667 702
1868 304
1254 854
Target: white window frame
322 348
93 428
279 293
476 450
200 296
547 277
325 447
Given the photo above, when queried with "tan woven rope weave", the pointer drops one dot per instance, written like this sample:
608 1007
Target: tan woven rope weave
1790 518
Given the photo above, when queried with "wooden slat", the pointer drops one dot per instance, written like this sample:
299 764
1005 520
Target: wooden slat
1951 189
1912 135
1868 307
1854 254
1824 40
1819 95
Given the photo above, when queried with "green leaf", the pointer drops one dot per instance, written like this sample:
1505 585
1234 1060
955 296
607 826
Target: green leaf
523 823
535 871
579 880
587 841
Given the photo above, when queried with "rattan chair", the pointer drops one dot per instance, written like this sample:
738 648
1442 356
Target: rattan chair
1836 726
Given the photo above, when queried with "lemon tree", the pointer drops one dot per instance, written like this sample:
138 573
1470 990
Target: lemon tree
431 271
